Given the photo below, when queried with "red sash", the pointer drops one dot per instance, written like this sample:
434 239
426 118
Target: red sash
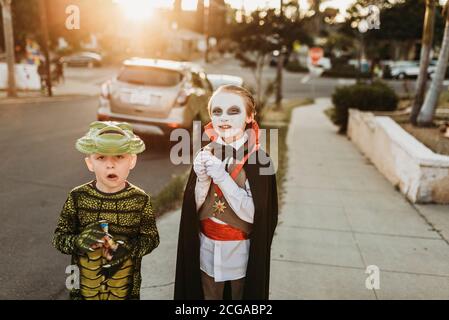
221 232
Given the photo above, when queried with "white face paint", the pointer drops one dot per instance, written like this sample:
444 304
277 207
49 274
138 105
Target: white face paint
228 115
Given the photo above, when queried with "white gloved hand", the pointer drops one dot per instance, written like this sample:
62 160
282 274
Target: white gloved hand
199 167
215 168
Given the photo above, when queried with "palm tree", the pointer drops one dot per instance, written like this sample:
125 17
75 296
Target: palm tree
425 117
9 44
427 38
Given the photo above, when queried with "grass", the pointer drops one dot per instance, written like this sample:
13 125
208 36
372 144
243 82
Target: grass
170 198
271 115
330 113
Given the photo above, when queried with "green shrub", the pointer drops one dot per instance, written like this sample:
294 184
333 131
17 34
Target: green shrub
345 71
376 96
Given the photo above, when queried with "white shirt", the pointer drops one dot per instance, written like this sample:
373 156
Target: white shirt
226 260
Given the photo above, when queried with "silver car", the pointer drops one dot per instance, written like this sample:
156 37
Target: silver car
156 96
83 59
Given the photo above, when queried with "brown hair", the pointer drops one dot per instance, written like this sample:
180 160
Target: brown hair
248 98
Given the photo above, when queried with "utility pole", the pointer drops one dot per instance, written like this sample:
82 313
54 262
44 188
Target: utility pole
45 41
207 29
9 46
280 64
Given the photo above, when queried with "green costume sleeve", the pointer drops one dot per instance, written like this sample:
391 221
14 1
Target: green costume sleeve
149 237
66 230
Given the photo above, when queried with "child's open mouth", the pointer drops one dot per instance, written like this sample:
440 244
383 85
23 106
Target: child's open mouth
112 177
225 127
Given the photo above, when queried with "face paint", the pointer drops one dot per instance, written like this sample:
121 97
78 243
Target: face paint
228 115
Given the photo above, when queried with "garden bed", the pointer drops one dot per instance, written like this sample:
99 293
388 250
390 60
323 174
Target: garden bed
432 137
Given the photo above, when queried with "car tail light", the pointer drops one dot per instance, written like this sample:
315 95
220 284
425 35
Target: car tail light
102 117
182 98
173 125
106 89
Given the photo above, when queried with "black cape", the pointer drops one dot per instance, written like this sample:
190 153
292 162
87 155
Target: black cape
264 193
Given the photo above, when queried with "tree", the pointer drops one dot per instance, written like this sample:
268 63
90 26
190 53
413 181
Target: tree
395 32
257 36
254 37
9 46
425 117
280 67
427 38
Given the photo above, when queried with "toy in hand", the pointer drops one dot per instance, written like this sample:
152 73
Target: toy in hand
90 238
109 245
115 252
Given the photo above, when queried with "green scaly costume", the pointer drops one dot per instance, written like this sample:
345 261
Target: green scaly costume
128 214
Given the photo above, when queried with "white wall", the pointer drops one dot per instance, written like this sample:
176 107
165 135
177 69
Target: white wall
27 77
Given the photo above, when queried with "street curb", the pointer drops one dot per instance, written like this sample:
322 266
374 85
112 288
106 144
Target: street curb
31 100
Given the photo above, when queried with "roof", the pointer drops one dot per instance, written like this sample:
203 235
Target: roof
158 63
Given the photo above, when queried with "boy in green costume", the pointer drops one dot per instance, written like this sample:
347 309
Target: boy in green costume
108 225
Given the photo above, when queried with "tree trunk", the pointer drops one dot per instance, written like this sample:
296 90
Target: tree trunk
259 80
425 117
9 46
45 41
427 38
280 67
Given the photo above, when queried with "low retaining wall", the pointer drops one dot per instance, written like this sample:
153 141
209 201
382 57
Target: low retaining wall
420 174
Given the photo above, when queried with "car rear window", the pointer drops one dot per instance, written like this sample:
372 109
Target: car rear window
150 76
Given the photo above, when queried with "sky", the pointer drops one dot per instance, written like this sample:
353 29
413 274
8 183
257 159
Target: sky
248 4
142 9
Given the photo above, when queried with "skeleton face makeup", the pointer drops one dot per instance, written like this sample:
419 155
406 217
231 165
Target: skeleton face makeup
228 115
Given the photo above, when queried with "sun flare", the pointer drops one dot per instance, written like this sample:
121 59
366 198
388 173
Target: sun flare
137 9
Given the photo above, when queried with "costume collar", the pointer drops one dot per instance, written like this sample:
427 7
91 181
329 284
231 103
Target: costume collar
237 144
253 139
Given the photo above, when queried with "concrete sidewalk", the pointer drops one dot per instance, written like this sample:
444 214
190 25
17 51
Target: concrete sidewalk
339 215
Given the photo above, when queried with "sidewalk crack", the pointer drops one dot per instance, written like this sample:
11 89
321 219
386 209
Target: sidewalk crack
159 285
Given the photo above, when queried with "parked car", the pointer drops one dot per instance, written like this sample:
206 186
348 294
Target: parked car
218 80
155 96
83 59
409 69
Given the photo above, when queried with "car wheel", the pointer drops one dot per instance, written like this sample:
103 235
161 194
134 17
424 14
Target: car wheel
401 76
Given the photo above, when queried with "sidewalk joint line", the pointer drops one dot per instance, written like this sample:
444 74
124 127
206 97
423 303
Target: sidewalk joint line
363 232
360 268
159 285
430 223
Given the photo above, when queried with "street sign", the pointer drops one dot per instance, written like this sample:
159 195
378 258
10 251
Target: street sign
315 54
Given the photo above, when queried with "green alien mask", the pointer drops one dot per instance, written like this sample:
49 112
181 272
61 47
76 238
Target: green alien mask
110 138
